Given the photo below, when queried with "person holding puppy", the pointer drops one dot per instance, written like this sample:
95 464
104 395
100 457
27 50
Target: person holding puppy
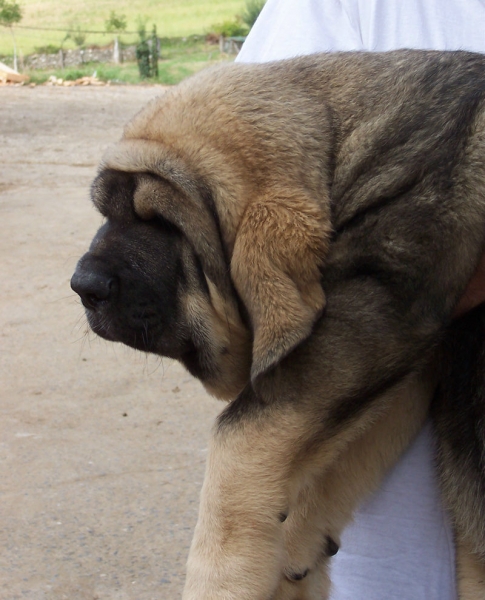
400 545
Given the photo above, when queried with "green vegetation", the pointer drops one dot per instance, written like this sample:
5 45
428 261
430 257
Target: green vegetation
147 53
173 18
77 35
240 24
181 58
186 28
116 23
10 15
251 11
48 49
231 28
143 53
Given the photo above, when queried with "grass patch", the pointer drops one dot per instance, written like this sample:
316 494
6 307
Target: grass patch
173 18
118 74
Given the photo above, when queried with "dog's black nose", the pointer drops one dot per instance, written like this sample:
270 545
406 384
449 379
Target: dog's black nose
93 287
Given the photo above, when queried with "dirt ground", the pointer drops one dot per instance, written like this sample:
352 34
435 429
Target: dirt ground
102 449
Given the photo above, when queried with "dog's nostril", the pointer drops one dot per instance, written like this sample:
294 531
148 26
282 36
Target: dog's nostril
93 288
92 300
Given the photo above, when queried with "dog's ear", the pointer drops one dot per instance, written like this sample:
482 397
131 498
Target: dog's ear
281 244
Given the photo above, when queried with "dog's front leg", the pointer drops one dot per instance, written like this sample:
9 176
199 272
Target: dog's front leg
470 571
276 496
238 547
331 494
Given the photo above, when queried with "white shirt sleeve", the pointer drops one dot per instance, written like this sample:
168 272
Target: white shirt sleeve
400 544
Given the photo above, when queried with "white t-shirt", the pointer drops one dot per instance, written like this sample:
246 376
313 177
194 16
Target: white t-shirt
289 28
400 546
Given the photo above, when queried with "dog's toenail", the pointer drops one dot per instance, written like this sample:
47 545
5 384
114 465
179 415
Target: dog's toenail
282 517
332 547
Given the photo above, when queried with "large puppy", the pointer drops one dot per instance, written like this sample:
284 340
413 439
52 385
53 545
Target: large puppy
298 235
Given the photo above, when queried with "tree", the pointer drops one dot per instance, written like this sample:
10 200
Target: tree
251 13
154 52
78 36
115 23
241 24
147 51
143 52
11 13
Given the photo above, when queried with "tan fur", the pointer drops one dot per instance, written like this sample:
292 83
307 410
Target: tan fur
279 248
279 177
470 573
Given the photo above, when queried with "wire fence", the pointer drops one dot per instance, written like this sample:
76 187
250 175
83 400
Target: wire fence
76 30
37 39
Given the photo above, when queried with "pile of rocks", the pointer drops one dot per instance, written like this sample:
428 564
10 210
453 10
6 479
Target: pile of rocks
93 80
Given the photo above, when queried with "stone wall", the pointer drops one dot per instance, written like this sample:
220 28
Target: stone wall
74 58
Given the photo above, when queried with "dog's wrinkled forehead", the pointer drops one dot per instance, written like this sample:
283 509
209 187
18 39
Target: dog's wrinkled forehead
112 194
124 196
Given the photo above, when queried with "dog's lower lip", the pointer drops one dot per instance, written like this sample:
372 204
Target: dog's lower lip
102 331
135 336
136 341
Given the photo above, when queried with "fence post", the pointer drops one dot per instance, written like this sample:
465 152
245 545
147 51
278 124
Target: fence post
116 51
